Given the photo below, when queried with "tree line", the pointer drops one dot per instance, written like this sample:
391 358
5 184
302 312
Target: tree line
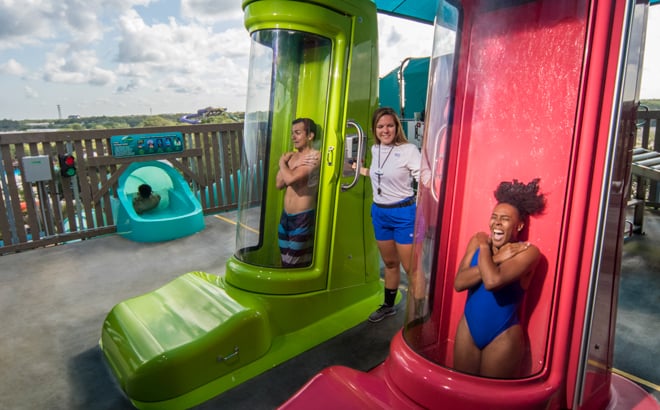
140 121
106 122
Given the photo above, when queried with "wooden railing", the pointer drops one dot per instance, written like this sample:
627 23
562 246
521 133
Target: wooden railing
643 187
61 209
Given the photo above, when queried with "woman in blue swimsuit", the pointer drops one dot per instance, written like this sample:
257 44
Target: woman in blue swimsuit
496 270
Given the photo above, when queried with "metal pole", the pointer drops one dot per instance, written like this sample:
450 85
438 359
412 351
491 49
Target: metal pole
10 212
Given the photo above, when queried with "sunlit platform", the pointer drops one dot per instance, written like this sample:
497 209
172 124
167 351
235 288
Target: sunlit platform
54 301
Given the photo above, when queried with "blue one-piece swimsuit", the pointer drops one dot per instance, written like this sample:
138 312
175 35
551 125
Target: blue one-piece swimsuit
489 313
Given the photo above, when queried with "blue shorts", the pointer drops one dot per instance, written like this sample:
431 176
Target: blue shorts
394 223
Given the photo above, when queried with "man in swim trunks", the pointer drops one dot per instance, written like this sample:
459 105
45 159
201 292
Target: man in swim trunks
299 175
496 270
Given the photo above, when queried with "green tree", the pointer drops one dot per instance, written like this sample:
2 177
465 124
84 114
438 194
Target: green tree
157 121
9 125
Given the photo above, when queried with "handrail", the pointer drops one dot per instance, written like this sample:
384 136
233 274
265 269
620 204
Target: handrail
434 194
360 154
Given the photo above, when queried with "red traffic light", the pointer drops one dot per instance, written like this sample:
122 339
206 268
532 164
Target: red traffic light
67 165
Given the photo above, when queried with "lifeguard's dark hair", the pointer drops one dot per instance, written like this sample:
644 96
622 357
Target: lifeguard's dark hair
524 197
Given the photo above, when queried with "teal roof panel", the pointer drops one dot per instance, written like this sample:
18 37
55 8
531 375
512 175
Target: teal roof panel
420 10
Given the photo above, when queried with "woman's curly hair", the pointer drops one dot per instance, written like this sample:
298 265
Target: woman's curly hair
524 197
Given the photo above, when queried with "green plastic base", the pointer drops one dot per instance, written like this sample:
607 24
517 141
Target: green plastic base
196 337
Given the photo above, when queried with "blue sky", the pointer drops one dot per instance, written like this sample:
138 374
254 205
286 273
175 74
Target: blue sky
122 57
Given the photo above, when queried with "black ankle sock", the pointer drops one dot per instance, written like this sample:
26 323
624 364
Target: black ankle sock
390 296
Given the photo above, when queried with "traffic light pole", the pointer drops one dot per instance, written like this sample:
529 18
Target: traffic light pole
44 206
76 191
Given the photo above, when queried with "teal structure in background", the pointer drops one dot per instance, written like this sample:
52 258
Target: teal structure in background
388 89
404 89
409 81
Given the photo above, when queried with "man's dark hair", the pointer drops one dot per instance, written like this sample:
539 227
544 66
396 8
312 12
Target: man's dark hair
310 125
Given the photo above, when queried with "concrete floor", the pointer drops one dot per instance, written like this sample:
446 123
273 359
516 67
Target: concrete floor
637 339
54 300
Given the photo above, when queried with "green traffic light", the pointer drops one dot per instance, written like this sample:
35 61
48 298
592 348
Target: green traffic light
67 165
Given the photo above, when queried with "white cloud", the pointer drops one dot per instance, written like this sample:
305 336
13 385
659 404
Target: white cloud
100 77
33 22
30 93
191 58
140 43
12 67
132 85
400 38
23 23
66 65
650 87
211 11
174 44
84 24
